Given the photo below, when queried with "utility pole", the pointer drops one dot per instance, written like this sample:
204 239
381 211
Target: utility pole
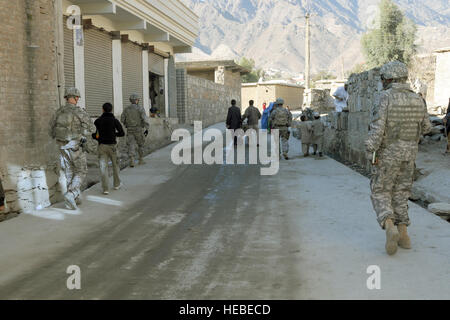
308 52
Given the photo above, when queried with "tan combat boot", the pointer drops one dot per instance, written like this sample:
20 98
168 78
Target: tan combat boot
132 162
392 237
404 241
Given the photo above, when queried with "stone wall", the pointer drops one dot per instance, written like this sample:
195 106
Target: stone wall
347 132
28 87
207 101
318 100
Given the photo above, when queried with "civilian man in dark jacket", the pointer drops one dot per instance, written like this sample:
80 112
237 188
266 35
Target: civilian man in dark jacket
234 119
108 128
2 197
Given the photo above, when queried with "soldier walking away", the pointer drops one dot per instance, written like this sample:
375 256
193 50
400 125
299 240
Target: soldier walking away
253 115
108 129
392 147
318 132
137 124
70 126
305 134
281 119
234 119
2 197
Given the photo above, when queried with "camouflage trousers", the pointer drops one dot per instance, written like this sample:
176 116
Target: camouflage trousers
285 134
135 138
391 185
107 152
72 168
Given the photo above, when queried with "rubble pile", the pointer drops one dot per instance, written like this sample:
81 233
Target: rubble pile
440 209
437 132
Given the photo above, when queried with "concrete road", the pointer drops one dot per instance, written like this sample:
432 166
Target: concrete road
223 232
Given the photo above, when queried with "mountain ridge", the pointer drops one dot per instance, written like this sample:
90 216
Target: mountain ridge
272 31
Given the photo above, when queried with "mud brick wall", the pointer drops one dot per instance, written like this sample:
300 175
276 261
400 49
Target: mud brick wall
28 98
203 100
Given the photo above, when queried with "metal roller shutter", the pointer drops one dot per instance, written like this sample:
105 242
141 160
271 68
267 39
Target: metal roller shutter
131 71
69 67
172 88
156 64
98 70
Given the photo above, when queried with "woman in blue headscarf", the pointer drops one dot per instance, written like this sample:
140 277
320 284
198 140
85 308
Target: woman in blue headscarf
265 117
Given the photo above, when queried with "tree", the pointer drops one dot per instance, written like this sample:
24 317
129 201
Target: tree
393 40
254 75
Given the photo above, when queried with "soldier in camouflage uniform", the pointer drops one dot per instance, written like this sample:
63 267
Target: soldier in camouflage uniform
281 119
136 121
70 126
394 135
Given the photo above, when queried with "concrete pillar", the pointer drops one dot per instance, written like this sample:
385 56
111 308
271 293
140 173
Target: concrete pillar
146 82
78 52
117 74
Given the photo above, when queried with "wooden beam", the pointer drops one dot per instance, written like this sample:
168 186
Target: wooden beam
124 38
152 49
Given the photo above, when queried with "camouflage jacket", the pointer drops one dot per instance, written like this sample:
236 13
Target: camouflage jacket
70 124
280 117
398 124
134 117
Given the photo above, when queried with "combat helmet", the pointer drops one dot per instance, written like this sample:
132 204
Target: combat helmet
134 97
279 102
71 92
394 70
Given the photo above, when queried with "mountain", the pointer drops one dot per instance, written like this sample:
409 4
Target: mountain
272 31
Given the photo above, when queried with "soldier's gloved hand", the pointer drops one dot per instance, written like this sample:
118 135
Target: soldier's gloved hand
146 133
83 140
